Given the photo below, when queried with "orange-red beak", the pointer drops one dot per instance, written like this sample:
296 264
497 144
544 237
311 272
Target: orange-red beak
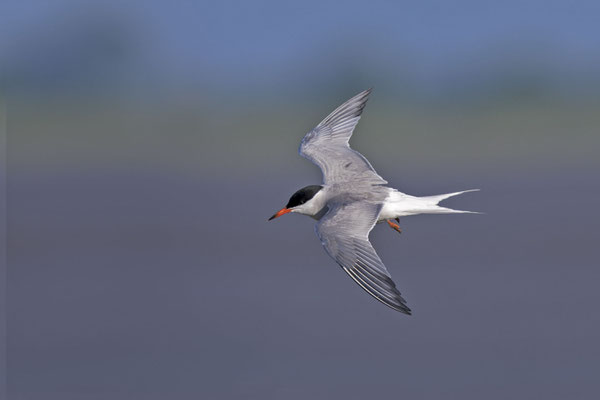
280 213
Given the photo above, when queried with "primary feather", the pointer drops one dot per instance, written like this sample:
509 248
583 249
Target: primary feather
327 145
344 232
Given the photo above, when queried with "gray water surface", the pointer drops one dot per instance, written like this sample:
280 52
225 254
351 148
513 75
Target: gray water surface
150 286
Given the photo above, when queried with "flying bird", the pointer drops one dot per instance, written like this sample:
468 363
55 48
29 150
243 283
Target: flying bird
352 199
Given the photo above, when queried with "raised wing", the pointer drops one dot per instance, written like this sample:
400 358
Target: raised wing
344 232
327 145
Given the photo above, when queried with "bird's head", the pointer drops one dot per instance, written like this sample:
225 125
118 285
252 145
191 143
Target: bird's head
303 202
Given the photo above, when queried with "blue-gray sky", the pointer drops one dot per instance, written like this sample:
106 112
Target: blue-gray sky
278 45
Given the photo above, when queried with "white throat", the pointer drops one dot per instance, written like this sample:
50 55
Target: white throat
315 207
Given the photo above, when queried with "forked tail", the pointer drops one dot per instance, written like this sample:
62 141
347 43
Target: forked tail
434 200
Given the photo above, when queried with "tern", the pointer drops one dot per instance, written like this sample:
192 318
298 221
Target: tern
352 199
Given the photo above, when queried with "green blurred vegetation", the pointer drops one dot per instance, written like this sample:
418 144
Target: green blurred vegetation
217 138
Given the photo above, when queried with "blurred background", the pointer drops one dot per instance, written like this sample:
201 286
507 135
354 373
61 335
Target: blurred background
147 142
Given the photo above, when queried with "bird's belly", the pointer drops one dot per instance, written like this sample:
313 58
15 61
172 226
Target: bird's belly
398 204
387 212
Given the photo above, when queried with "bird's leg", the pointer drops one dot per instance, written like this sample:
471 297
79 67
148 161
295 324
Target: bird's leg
394 225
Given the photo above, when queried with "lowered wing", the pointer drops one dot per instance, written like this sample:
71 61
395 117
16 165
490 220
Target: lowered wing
344 232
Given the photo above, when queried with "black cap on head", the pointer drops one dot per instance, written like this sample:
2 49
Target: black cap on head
303 195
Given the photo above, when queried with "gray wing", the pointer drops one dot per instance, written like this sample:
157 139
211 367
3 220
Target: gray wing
344 232
327 145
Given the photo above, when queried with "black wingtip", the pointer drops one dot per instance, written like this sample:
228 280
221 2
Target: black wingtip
362 96
366 93
401 307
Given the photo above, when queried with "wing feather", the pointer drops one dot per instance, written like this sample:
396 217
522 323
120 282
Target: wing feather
327 145
344 233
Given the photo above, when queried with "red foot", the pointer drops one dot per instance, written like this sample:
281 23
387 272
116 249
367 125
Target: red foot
395 226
